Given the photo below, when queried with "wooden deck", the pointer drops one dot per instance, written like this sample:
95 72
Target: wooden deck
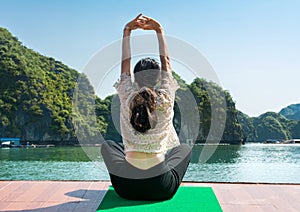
87 195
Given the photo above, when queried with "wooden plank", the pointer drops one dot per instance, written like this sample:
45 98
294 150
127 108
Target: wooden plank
87 195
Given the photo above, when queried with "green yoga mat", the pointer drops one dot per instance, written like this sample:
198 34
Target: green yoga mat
187 198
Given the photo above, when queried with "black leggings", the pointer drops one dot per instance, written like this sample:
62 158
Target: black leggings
157 183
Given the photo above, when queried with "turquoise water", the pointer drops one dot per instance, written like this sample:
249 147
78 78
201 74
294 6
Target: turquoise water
270 163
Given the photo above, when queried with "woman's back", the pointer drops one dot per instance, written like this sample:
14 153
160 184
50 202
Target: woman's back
163 136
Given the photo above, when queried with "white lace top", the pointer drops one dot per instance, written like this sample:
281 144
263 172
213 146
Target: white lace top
159 139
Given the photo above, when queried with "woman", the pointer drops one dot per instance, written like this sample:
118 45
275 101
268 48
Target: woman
151 162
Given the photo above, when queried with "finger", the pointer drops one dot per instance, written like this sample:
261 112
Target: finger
141 21
144 18
138 16
147 18
139 24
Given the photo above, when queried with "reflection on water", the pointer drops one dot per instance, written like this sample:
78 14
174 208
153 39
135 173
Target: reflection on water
59 163
272 163
222 154
48 154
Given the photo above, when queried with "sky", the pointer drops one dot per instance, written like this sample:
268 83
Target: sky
253 46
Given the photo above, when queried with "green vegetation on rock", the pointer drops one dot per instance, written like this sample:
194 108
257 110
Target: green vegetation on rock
35 94
269 125
43 100
291 112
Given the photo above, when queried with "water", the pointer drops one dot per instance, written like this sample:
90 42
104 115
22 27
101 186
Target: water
269 163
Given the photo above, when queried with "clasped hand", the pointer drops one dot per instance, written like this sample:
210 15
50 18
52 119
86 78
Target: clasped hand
143 22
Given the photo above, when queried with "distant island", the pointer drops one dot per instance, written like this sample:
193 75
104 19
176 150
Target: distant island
284 125
36 95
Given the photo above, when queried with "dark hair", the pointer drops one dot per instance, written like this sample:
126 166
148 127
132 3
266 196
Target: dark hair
143 116
147 72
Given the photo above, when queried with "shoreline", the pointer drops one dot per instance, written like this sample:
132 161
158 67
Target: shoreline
183 182
37 144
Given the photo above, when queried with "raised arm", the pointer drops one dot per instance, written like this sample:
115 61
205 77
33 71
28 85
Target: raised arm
126 52
151 24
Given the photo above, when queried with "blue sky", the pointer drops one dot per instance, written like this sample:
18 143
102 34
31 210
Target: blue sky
253 46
